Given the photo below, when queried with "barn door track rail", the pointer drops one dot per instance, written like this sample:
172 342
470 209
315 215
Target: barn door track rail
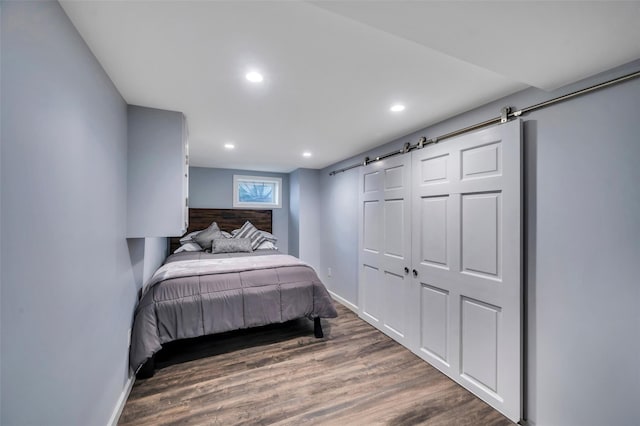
506 113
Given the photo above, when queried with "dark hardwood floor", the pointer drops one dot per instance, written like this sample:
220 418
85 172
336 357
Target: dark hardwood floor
283 375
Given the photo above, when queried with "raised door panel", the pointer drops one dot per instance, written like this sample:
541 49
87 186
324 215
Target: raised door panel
434 322
394 221
394 177
372 302
432 231
395 297
479 344
481 236
433 170
372 238
372 182
482 161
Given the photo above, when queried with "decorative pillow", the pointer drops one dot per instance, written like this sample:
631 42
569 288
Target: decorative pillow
267 245
226 234
230 245
190 246
205 237
251 232
188 238
269 237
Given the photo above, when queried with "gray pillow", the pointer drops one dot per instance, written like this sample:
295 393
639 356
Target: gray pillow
249 231
205 237
231 245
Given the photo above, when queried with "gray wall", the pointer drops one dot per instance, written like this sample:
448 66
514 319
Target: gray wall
339 237
294 213
68 287
304 217
155 252
582 231
213 188
2 105
147 255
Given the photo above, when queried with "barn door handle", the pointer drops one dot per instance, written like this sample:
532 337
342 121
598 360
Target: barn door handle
406 270
415 273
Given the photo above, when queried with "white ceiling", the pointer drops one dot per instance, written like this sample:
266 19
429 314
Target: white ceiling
333 68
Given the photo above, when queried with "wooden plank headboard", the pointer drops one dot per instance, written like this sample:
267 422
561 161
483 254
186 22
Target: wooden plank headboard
227 220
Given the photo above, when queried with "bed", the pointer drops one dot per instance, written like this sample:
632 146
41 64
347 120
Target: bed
197 293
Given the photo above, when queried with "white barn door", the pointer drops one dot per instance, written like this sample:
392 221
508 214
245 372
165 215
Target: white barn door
467 231
385 245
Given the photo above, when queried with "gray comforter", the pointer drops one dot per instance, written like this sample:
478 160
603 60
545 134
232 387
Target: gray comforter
195 294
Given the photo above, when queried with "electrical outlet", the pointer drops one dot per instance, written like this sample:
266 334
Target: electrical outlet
329 272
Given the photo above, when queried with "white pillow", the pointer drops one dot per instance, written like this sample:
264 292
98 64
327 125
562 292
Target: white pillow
188 238
267 245
269 236
227 235
190 246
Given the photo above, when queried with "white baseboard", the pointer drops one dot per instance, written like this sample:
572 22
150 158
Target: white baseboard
117 410
344 302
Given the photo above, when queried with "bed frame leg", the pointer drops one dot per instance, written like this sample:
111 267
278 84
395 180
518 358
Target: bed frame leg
148 369
317 328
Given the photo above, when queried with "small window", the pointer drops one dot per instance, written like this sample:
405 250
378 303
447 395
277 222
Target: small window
257 191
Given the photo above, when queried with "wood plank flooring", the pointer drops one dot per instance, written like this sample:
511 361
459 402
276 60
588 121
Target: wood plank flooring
282 375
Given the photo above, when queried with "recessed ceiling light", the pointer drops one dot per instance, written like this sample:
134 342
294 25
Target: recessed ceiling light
229 146
397 108
254 77
306 154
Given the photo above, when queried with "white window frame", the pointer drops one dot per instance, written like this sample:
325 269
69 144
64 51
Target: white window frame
237 179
